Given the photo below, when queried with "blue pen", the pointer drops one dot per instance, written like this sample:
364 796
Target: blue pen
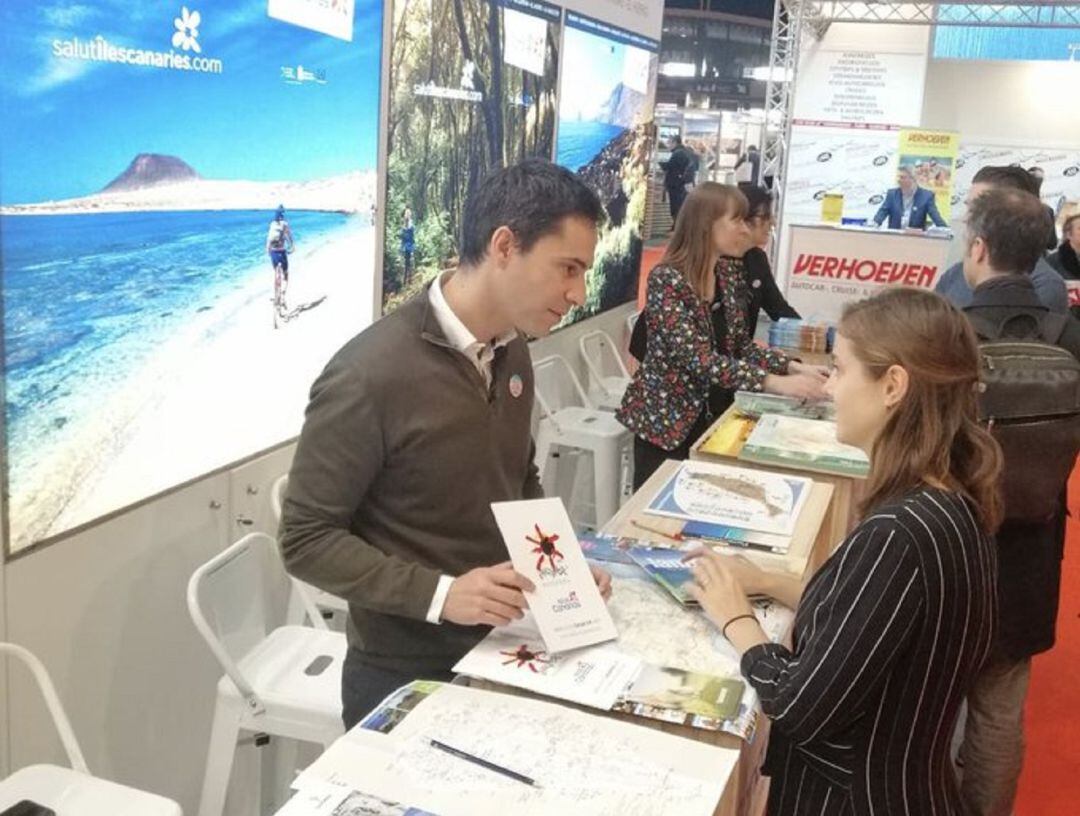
483 763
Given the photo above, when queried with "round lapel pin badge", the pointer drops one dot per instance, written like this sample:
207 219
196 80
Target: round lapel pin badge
517 386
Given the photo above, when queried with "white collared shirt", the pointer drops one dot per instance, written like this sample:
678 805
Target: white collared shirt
480 355
458 335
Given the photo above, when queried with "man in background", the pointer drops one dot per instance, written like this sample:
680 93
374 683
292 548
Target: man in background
678 171
1066 260
1049 286
748 167
1039 175
1004 238
908 206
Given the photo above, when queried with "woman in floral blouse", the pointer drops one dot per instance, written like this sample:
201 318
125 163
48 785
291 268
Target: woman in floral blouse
667 405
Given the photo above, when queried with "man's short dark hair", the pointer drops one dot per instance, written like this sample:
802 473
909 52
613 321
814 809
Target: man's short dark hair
1011 178
531 198
1012 224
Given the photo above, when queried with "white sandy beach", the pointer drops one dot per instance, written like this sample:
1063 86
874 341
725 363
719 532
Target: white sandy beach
228 386
349 192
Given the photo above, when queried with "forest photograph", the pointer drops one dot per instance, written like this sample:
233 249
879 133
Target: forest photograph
472 89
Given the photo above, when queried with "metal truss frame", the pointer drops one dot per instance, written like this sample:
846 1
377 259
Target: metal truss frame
796 20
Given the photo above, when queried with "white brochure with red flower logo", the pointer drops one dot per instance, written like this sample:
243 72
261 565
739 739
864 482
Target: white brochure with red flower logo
515 655
566 605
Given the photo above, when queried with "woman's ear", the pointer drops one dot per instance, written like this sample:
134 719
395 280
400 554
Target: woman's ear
895 383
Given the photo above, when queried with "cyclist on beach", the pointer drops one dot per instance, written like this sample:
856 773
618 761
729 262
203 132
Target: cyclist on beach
279 243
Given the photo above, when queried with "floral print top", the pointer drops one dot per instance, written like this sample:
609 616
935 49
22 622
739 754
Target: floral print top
671 387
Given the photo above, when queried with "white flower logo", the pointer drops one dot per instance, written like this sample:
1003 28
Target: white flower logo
187 30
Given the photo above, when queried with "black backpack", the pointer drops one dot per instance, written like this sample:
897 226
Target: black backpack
1029 398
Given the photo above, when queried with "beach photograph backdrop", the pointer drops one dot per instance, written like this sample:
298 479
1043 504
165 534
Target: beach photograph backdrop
146 149
472 89
606 134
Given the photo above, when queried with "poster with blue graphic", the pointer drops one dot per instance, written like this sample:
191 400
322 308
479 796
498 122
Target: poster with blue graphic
605 134
187 196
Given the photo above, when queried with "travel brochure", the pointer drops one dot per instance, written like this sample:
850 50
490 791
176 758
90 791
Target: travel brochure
724 534
604 677
566 604
754 405
803 443
729 434
736 497
684 697
515 655
667 568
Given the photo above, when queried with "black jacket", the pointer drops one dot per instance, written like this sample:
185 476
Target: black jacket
1051 240
1029 555
764 293
678 169
1066 263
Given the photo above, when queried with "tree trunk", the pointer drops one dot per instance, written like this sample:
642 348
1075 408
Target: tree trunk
495 99
492 126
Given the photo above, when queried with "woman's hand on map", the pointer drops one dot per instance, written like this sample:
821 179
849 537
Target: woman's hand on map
752 578
717 587
797 385
816 371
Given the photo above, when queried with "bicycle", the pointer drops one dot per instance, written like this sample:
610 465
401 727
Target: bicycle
280 285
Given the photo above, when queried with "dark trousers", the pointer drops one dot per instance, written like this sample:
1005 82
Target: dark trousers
676 197
648 457
363 687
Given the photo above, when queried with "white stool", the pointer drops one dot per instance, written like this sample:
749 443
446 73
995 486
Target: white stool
72 790
569 422
608 376
279 680
306 595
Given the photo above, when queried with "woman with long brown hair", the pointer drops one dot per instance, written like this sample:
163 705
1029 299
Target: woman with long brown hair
697 345
892 630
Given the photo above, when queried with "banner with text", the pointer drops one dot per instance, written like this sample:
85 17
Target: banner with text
831 267
930 155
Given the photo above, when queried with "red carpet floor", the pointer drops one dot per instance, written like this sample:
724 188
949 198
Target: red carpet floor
1050 784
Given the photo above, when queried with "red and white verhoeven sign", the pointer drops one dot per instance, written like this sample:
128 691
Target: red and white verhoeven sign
864 270
831 267
1074 292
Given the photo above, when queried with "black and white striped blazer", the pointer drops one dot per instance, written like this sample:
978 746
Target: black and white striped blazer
889 635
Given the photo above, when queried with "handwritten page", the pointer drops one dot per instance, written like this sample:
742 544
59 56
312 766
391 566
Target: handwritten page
566 604
581 763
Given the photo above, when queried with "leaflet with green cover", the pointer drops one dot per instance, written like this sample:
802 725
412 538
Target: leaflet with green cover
807 444
753 404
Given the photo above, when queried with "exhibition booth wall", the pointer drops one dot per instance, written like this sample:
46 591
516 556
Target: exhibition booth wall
149 398
849 108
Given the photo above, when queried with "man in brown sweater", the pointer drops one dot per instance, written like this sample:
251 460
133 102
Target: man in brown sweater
420 422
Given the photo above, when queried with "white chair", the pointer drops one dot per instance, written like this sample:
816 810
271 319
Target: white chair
608 376
72 790
305 596
279 680
571 426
